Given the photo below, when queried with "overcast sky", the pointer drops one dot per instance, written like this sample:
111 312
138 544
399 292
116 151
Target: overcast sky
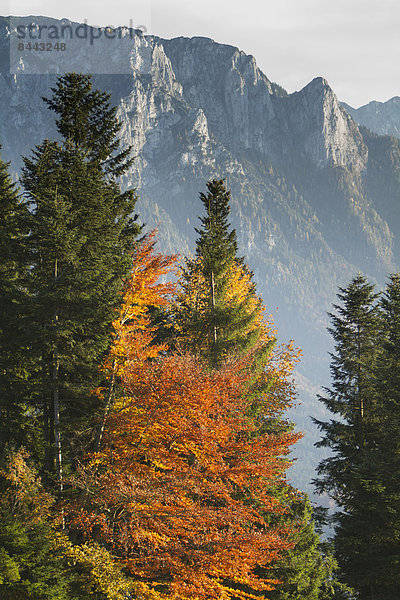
354 44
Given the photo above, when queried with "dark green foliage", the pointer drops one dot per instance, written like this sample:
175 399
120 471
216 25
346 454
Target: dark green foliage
37 560
354 476
214 326
81 235
13 298
87 121
386 455
307 571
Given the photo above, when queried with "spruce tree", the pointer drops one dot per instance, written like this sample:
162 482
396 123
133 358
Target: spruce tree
13 298
350 475
306 572
88 121
218 308
82 230
387 449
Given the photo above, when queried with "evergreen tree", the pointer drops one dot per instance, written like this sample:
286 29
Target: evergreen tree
387 449
13 270
218 312
37 560
305 571
81 236
87 121
350 475
30 564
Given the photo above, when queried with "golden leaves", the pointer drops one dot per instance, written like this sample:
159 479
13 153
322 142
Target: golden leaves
182 489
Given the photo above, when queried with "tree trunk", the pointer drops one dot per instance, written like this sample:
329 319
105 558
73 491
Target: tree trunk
214 325
107 407
56 403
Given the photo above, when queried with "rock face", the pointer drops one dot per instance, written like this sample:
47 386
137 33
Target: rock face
380 117
323 129
314 198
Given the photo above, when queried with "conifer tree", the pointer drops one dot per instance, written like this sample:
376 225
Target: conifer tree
350 475
216 250
13 270
37 560
88 121
303 569
81 235
386 455
218 312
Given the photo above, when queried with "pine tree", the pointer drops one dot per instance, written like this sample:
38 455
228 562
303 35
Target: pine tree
350 476
81 236
13 270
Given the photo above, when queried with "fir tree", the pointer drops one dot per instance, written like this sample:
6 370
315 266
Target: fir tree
350 476
87 121
218 310
13 270
306 571
386 455
37 560
81 235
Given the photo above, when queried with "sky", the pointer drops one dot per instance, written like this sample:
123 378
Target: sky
354 44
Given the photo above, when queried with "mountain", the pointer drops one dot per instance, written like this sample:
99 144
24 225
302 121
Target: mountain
382 118
316 197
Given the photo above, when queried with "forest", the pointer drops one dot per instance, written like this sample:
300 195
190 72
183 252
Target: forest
144 446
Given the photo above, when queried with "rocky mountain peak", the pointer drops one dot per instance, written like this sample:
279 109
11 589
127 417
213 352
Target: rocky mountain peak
382 118
327 134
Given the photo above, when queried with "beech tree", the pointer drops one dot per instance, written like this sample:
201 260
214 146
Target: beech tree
181 487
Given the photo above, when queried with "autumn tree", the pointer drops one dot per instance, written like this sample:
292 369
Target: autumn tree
181 487
37 559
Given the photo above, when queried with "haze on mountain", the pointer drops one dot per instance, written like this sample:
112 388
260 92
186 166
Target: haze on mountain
315 196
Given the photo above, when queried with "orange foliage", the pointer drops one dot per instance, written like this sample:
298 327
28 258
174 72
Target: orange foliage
274 374
182 490
142 291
